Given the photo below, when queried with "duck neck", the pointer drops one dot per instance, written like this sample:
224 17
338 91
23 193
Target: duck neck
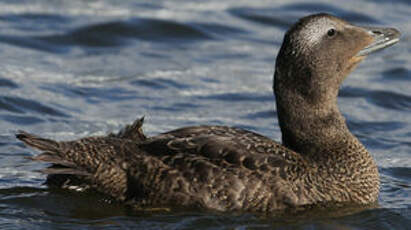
310 122
312 125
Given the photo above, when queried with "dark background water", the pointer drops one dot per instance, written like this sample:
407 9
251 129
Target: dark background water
70 69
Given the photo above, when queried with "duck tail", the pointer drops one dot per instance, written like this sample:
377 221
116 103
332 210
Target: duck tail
37 142
92 162
52 154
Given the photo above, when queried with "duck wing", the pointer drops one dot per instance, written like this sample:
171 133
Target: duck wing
215 167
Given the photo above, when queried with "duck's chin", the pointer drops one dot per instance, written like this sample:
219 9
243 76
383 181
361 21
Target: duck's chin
357 59
353 62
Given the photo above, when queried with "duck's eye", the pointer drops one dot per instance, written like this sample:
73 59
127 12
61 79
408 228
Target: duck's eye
331 32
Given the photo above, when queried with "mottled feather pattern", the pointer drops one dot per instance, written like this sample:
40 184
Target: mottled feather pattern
213 167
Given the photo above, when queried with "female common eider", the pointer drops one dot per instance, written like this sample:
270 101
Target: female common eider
320 163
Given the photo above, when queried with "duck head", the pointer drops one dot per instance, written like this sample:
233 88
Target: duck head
317 54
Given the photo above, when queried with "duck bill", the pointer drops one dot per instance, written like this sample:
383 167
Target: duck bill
382 38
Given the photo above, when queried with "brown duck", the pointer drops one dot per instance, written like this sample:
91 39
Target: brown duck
320 163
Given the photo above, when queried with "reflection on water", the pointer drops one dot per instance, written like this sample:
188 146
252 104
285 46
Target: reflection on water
77 68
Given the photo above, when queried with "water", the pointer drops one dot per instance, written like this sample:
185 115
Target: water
70 69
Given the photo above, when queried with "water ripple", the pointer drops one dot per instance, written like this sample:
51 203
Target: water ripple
218 29
285 15
391 100
398 172
385 99
117 33
34 18
32 43
265 114
7 83
20 105
159 83
400 74
236 97
372 127
374 219
93 94
114 33
263 16
350 15
396 186
25 120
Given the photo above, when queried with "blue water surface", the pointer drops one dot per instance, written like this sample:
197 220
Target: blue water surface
70 69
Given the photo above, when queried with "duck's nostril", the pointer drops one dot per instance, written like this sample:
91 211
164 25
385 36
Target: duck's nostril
377 32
